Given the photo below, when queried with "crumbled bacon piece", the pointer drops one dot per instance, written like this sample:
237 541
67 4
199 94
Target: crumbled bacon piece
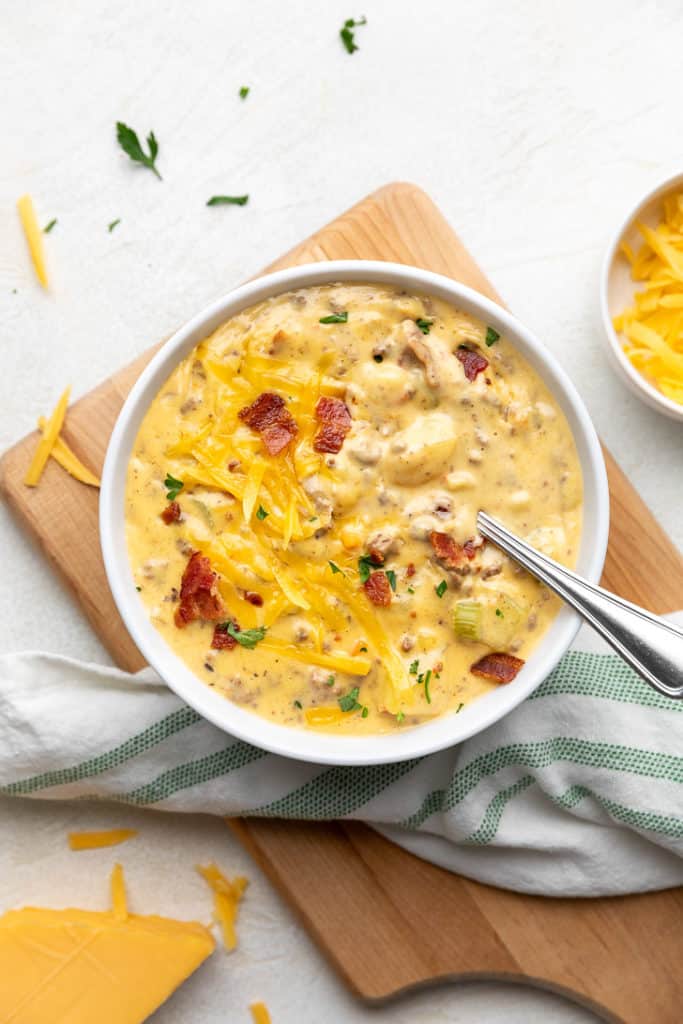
222 641
268 416
472 362
253 598
335 422
410 569
198 596
171 513
500 668
451 554
376 556
378 588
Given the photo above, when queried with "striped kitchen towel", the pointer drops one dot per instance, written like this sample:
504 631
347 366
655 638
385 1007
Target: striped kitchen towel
579 791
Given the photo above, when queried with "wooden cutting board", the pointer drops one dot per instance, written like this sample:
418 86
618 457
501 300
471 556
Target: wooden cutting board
386 920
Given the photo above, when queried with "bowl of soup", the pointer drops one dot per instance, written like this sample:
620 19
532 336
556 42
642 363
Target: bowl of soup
289 501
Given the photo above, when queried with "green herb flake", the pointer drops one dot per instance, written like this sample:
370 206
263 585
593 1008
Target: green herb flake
329 681
313 519
173 487
335 318
261 513
347 35
246 637
366 564
48 227
365 712
138 589
349 702
424 325
228 201
399 717
113 224
459 708
441 589
130 144
414 667
428 677
411 590
363 650
378 358
499 613
244 92
335 568
298 704
492 336
391 576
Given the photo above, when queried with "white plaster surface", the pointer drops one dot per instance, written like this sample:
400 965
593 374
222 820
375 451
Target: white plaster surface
534 126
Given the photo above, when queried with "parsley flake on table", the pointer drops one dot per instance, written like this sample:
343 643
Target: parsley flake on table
347 34
246 637
261 513
173 487
48 227
424 325
492 336
130 144
113 224
335 318
244 92
228 201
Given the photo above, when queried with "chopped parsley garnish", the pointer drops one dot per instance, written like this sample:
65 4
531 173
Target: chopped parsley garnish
246 637
346 33
366 564
411 590
399 717
261 513
244 92
173 487
363 650
492 336
130 144
365 712
428 676
313 519
335 318
459 707
441 589
335 568
424 325
349 702
329 681
378 358
499 613
391 576
413 667
138 589
228 201
48 227
113 224
298 704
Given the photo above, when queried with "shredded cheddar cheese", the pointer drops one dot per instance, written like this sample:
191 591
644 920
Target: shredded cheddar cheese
96 840
119 903
47 441
227 896
68 460
34 237
259 1013
653 325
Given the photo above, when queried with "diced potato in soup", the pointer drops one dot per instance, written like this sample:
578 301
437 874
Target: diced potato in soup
301 508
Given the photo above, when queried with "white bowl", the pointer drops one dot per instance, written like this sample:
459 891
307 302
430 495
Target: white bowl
299 743
617 289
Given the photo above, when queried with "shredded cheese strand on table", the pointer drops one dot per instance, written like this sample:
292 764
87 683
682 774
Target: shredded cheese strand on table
47 441
227 896
119 903
68 460
96 840
34 237
259 1013
653 325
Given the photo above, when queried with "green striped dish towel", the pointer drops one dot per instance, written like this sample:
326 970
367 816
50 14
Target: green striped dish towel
579 791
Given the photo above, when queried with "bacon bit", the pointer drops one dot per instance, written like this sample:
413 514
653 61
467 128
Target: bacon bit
376 556
470 547
451 554
198 597
253 598
222 641
335 420
473 362
378 588
233 465
501 668
268 417
171 513
410 569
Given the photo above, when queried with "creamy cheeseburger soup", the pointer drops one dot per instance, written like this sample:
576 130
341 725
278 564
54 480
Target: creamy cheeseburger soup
301 508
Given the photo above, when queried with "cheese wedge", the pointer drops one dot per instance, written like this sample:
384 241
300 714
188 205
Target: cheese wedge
80 966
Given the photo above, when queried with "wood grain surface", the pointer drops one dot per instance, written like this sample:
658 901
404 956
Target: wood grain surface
386 920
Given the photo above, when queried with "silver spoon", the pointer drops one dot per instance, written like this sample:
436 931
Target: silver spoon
651 646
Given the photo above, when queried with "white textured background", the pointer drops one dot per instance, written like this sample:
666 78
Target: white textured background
535 126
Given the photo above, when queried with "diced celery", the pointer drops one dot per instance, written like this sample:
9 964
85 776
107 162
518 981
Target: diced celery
467 620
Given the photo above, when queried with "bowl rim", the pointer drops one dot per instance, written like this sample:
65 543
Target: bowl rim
318 747
637 383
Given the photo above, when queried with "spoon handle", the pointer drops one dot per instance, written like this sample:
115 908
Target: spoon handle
651 646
